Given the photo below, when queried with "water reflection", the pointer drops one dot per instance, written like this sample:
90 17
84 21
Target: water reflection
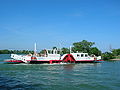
68 67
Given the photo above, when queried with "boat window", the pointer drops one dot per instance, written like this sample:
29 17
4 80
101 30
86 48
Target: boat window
86 55
78 55
82 55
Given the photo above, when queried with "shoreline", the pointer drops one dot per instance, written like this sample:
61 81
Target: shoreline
115 59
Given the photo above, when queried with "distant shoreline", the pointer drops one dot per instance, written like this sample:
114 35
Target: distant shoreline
115 59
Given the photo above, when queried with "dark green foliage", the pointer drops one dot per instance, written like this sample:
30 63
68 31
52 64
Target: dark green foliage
86 47
65 50
95 51
83 46
15 52
107 56
116 52
42 51
4 51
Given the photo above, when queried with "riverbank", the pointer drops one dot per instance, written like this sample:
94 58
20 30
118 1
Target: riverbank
115 59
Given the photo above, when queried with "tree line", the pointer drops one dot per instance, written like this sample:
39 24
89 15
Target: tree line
83 46
15 51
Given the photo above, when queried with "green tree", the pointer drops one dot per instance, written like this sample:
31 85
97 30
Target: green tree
42 51
83 46
107 56
116 52
15 51
95 51
32 52
65 50
4 51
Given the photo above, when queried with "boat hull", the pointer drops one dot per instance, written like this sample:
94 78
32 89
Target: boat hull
13 61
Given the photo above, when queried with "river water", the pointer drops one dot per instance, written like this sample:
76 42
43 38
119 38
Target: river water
83 76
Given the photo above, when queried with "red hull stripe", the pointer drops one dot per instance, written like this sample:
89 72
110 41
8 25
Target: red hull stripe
62 60
14 61
44 60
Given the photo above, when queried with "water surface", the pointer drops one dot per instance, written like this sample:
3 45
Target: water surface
83 76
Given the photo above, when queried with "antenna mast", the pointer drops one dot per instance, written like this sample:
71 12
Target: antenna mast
110 48
35 50
70 50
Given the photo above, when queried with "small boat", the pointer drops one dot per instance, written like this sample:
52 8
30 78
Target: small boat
12 61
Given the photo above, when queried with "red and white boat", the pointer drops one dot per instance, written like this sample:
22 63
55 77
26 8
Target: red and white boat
52 56
56 58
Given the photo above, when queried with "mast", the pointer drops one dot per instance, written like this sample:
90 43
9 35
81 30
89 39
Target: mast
70 50
35 50
110 48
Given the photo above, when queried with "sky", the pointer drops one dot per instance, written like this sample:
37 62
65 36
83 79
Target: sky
59 23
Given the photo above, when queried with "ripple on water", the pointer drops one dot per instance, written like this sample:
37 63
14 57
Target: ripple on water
101 76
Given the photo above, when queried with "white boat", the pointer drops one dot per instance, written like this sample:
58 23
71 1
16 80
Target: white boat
52 56
56 58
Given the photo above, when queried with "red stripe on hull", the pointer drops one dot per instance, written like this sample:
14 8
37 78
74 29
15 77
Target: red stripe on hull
14 61
43 60
62 60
